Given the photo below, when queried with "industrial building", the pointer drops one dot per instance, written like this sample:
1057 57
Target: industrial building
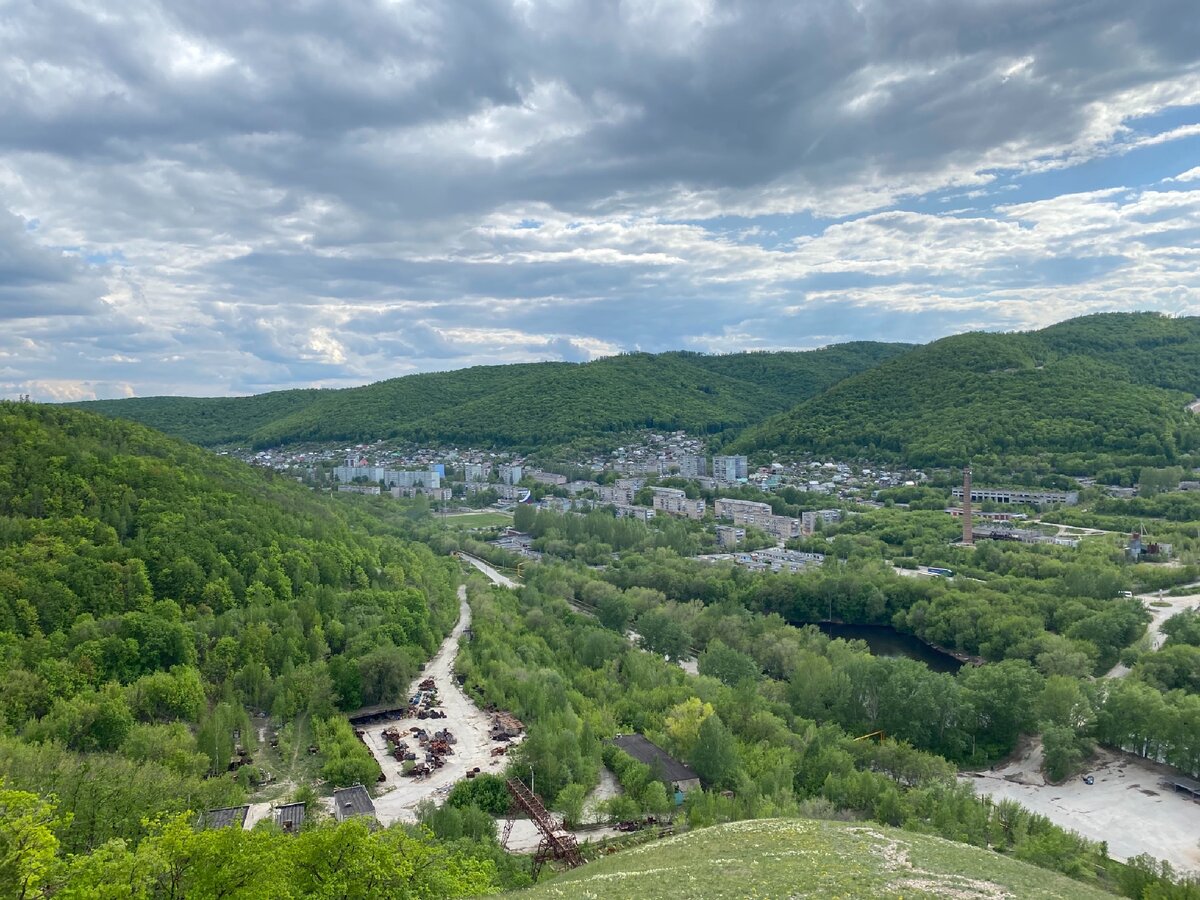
1019 496
678 778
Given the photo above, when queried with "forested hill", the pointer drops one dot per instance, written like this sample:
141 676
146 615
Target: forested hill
526 405
151 591
1101 390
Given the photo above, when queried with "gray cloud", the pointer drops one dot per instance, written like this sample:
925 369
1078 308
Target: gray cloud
330 194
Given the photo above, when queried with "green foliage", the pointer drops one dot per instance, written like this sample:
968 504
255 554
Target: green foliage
1096 392
526 405
345 760
487 791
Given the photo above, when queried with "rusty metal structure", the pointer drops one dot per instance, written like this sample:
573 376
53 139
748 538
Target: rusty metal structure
557 843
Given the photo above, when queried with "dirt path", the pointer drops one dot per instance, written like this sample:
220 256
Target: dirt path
1125 807
1159 615
466 721
487 570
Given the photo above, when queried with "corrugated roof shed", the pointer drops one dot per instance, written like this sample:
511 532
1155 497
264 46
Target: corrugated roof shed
290 816
659 760
226 817
352 801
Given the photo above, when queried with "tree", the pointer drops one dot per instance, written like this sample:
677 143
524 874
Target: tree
569 802
723 662
27 842
683 724
715 756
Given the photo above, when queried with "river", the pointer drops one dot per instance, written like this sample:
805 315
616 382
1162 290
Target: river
884 640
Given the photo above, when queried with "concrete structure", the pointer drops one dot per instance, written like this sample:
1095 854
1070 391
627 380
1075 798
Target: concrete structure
551 478
678 778
1022 496
729 468
352 801
511 474
372 489
775 559
476 472
675 502
967 536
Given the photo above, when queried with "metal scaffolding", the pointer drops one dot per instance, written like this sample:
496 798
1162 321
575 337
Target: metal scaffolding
557 842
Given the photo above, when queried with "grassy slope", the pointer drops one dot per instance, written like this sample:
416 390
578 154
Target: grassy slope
808 858
1116 383
528 404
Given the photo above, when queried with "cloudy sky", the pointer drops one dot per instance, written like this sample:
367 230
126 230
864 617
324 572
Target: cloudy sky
232 197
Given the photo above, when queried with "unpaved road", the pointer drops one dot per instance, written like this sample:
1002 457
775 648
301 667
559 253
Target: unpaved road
467 722
487 570
1159 615
1125 807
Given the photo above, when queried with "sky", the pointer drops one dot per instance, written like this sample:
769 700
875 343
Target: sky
235 197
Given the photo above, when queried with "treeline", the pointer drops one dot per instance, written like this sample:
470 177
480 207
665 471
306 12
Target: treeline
532 405
151 593
326 859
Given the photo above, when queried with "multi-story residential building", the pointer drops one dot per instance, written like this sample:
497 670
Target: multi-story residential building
511 474
617 493
730 535
730 468
551 478
758 515
642 513
809 519
675 502
476 472
692 466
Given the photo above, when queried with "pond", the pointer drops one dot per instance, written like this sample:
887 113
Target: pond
883 640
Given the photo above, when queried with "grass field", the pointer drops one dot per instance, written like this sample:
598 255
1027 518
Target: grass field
488 519
810 858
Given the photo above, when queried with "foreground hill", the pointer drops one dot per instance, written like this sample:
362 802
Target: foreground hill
1104 389
527 405
809 858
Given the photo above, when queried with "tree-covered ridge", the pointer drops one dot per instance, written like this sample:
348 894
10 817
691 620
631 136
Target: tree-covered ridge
1101 390
151 592
527 405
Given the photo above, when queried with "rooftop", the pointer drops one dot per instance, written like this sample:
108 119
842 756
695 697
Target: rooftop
659 761
226 817
353 801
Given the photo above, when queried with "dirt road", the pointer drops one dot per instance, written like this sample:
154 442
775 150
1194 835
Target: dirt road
466 721
1125 806
1159 615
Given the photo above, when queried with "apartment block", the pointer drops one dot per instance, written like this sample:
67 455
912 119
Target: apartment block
730 468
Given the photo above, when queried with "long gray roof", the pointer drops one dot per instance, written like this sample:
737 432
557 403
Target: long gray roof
659 760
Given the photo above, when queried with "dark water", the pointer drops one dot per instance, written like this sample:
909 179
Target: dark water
887 641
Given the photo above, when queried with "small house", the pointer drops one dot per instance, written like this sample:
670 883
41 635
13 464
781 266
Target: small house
226 817
290 817
352 801
678 777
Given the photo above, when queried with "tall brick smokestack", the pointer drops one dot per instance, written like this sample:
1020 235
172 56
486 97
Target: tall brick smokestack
968 535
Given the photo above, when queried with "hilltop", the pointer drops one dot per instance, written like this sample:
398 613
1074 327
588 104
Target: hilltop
524 405
809 858
1110 389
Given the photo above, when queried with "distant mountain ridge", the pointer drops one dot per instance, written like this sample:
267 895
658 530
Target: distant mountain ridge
1103 389
522 405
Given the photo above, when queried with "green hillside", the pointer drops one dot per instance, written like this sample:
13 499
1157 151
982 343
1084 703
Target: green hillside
808 858
152 592
1101 390
527 405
